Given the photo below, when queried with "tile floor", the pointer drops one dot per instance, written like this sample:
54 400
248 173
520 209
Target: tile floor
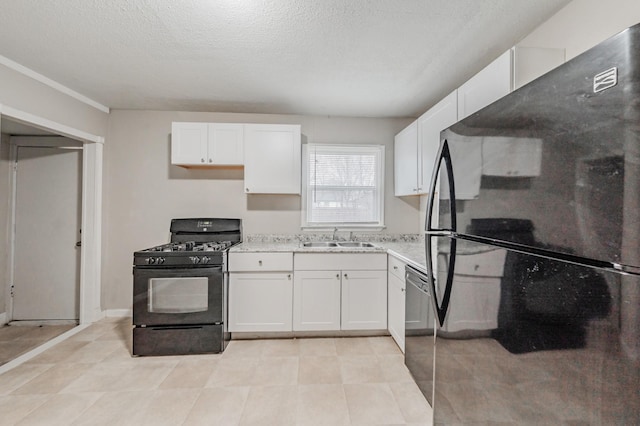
91 379
16 340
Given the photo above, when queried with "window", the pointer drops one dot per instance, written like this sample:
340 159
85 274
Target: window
343 185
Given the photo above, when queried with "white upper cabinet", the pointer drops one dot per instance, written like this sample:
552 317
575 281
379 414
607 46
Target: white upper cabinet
486 87
416 147
430 124
226 143
189 143
272 159
207 144
405 161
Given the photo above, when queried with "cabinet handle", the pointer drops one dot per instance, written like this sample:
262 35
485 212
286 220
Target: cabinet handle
289 276
202 160
210 160
260 262
402 289
246 190
395 267
346 277
337 276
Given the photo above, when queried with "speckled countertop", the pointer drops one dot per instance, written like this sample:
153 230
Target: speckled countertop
408 248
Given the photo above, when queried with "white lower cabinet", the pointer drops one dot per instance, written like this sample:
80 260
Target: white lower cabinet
260 292
316 300
364 300
260 301
396 300
340 291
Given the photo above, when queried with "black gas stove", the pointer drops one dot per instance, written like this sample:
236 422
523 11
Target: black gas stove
194 243
188 253
180 289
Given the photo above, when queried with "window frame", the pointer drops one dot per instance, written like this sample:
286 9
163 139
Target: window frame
379 150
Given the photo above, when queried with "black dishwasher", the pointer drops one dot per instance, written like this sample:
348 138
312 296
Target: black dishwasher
419 331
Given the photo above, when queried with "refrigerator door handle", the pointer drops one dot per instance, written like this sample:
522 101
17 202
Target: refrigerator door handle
444 155
441 308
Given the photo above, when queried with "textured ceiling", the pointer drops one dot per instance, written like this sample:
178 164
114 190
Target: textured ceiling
370 58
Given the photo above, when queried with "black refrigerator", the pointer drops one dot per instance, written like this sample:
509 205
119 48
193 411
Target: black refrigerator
533 250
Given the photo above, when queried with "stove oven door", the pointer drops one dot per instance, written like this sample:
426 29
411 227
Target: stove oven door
176 297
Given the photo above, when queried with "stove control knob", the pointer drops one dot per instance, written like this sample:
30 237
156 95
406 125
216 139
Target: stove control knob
160 260
194 259
151 260
205 259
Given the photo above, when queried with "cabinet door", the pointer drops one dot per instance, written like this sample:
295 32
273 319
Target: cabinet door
486 87
260 301
405 164
226 144
364 300
189 143
272 159
430 124
316 300
396 309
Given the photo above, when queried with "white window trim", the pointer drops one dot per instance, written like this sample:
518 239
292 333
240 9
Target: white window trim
342 226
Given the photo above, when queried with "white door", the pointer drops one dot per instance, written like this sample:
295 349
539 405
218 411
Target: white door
47 227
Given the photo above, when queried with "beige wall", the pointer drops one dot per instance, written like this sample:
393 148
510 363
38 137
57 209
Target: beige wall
143 192
584 23
26 94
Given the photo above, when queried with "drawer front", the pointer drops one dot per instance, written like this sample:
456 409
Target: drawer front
396 266
340 261
487 264
256 262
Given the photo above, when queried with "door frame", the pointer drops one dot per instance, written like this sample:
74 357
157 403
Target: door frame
91 221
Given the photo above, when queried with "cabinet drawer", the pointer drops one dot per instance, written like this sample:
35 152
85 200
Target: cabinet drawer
396 267
487 264
340 261
257 262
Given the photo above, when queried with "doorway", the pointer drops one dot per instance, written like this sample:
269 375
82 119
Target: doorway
47 218
16 123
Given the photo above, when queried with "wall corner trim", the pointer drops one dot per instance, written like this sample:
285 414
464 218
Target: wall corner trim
51 83
45 124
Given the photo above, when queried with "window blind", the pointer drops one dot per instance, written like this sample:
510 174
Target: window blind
343 185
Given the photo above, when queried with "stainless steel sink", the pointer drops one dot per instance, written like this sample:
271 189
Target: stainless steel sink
319 244
355 244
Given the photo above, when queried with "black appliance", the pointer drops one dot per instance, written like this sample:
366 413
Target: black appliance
419 330
534 265
180 289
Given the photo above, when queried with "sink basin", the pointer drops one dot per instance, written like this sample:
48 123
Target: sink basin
319 244
355 244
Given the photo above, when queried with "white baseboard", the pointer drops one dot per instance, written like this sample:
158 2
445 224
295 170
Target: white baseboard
117 313
3 318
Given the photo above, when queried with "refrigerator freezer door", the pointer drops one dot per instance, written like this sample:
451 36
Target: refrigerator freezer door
560 169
